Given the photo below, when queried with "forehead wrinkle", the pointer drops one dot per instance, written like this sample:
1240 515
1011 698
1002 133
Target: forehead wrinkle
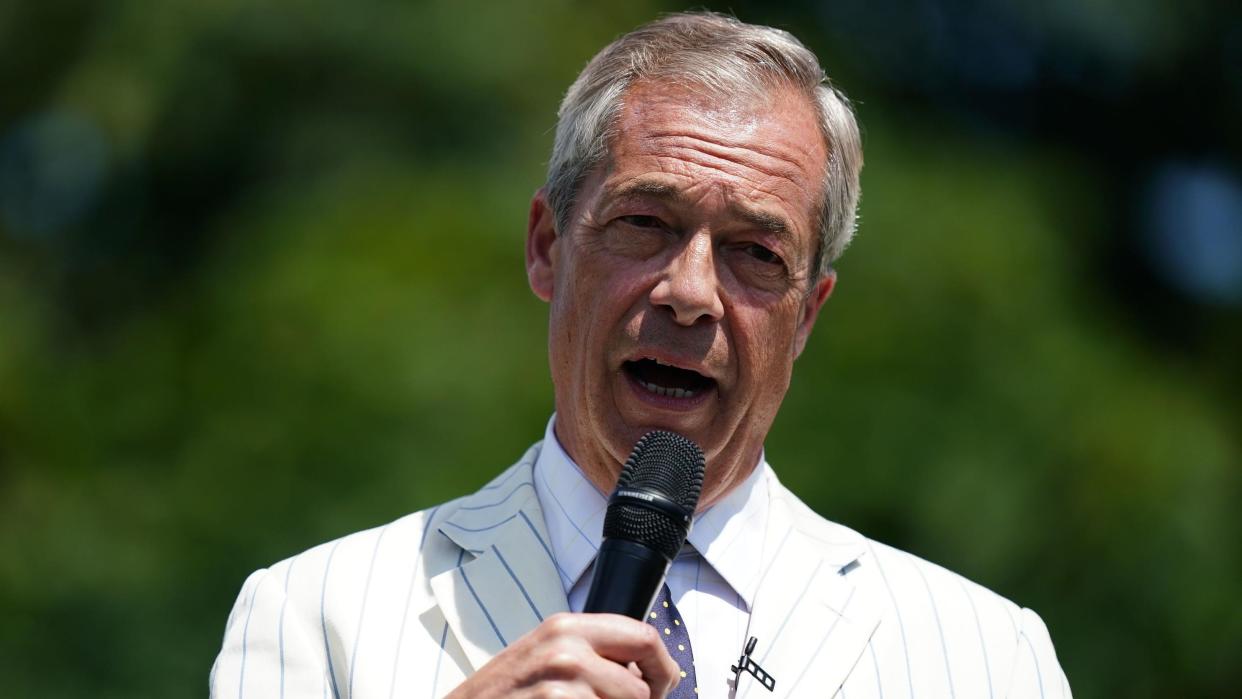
719 124
721 157
735 153
753 157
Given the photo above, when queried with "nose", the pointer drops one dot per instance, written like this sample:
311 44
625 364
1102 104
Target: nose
689 287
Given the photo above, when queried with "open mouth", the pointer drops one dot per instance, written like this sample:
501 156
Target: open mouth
665 380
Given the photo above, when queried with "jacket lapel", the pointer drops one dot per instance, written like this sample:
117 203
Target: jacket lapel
511 585
811 623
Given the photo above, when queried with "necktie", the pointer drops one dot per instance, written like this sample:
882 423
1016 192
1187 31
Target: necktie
668 622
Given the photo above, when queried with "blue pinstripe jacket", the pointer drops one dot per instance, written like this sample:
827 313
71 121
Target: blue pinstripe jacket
411 608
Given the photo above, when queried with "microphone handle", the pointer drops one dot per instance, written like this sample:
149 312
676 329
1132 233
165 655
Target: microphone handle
627 579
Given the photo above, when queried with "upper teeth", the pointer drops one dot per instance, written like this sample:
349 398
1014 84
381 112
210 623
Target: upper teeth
662 391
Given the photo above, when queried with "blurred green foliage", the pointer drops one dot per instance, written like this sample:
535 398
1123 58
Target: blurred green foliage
298 309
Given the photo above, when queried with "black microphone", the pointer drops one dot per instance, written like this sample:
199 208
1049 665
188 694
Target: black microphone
646 524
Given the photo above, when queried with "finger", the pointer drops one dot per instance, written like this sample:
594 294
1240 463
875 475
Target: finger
627 640
609 679
562 689
659 670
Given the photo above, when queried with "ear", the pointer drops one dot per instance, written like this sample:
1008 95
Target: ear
541 246
810 309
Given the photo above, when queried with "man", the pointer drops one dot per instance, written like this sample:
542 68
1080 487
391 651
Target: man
703 178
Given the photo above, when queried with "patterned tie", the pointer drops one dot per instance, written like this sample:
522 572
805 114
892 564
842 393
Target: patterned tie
667 620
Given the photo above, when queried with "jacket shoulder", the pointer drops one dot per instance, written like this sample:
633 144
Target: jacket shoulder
295 624
939 629
956 633
298 624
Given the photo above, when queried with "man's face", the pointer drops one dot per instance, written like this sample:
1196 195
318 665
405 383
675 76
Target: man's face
682 288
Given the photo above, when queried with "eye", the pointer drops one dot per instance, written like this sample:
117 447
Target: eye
763 254
641 221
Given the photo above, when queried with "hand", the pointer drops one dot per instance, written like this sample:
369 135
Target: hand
579 655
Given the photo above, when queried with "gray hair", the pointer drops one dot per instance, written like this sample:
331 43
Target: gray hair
724 56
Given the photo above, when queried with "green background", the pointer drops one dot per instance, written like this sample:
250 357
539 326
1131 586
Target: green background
261 285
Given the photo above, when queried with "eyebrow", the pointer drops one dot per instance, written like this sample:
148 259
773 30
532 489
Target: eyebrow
768 222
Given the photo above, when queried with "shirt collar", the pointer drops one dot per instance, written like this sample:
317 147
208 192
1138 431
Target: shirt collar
728 535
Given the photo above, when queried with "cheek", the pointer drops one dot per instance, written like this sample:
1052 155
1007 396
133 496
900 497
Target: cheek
768 342
612 285
565 321
591 305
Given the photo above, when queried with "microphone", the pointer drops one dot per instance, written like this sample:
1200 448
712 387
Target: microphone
647 521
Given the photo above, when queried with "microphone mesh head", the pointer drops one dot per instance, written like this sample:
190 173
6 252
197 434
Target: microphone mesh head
666 464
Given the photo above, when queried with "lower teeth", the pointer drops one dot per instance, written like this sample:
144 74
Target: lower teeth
662 391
